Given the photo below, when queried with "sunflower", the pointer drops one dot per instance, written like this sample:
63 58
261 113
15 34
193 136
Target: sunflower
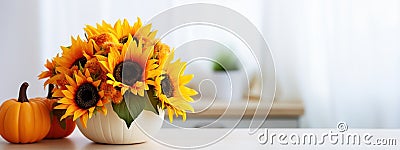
72 58
77 54
129 69
50 72
98 30
107 36
171 90
82 97
123 30
146 35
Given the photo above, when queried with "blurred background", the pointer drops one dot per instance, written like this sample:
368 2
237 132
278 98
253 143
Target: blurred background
340 58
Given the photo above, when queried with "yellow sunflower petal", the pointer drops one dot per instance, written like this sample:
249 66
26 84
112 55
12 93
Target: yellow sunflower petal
66 101
78 113
91 110
185 79
87 73
79 80
70 111
97 83
124 89
170 115
134 91
110 76
61 106
183 116
70 81
58 93
70 88
101 93
99 103
104 110
84 119
105 65
141 92
68 94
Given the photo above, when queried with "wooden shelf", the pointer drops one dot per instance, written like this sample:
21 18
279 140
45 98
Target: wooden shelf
219 108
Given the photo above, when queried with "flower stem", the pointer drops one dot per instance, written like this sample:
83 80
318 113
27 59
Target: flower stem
50 92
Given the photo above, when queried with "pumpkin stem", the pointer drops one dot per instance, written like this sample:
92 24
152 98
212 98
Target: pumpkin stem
22 93
50 92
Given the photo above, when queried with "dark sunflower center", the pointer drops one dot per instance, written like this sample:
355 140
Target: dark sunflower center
86 96
166 86
81 61
136 40
128 72
123 40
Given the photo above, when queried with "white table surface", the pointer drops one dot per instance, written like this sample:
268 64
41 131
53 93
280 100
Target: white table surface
237 139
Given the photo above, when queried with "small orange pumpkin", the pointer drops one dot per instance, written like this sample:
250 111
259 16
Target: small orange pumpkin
24 120
58 129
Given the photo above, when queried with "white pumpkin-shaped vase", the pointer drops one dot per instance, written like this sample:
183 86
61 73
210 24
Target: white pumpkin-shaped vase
110 129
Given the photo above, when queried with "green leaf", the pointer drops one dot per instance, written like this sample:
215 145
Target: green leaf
122 111
58 113
135 104
152 102
63 124
80 67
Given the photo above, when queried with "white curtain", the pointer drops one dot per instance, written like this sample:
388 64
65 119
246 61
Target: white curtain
342 58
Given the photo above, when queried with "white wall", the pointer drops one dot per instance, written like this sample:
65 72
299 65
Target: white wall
20 56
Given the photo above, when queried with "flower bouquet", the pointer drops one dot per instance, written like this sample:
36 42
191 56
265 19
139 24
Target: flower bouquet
119 71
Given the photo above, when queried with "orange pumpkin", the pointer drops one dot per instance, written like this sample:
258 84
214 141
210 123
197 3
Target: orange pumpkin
59 129
24 120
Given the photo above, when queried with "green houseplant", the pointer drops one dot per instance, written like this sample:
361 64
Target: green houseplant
225 62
